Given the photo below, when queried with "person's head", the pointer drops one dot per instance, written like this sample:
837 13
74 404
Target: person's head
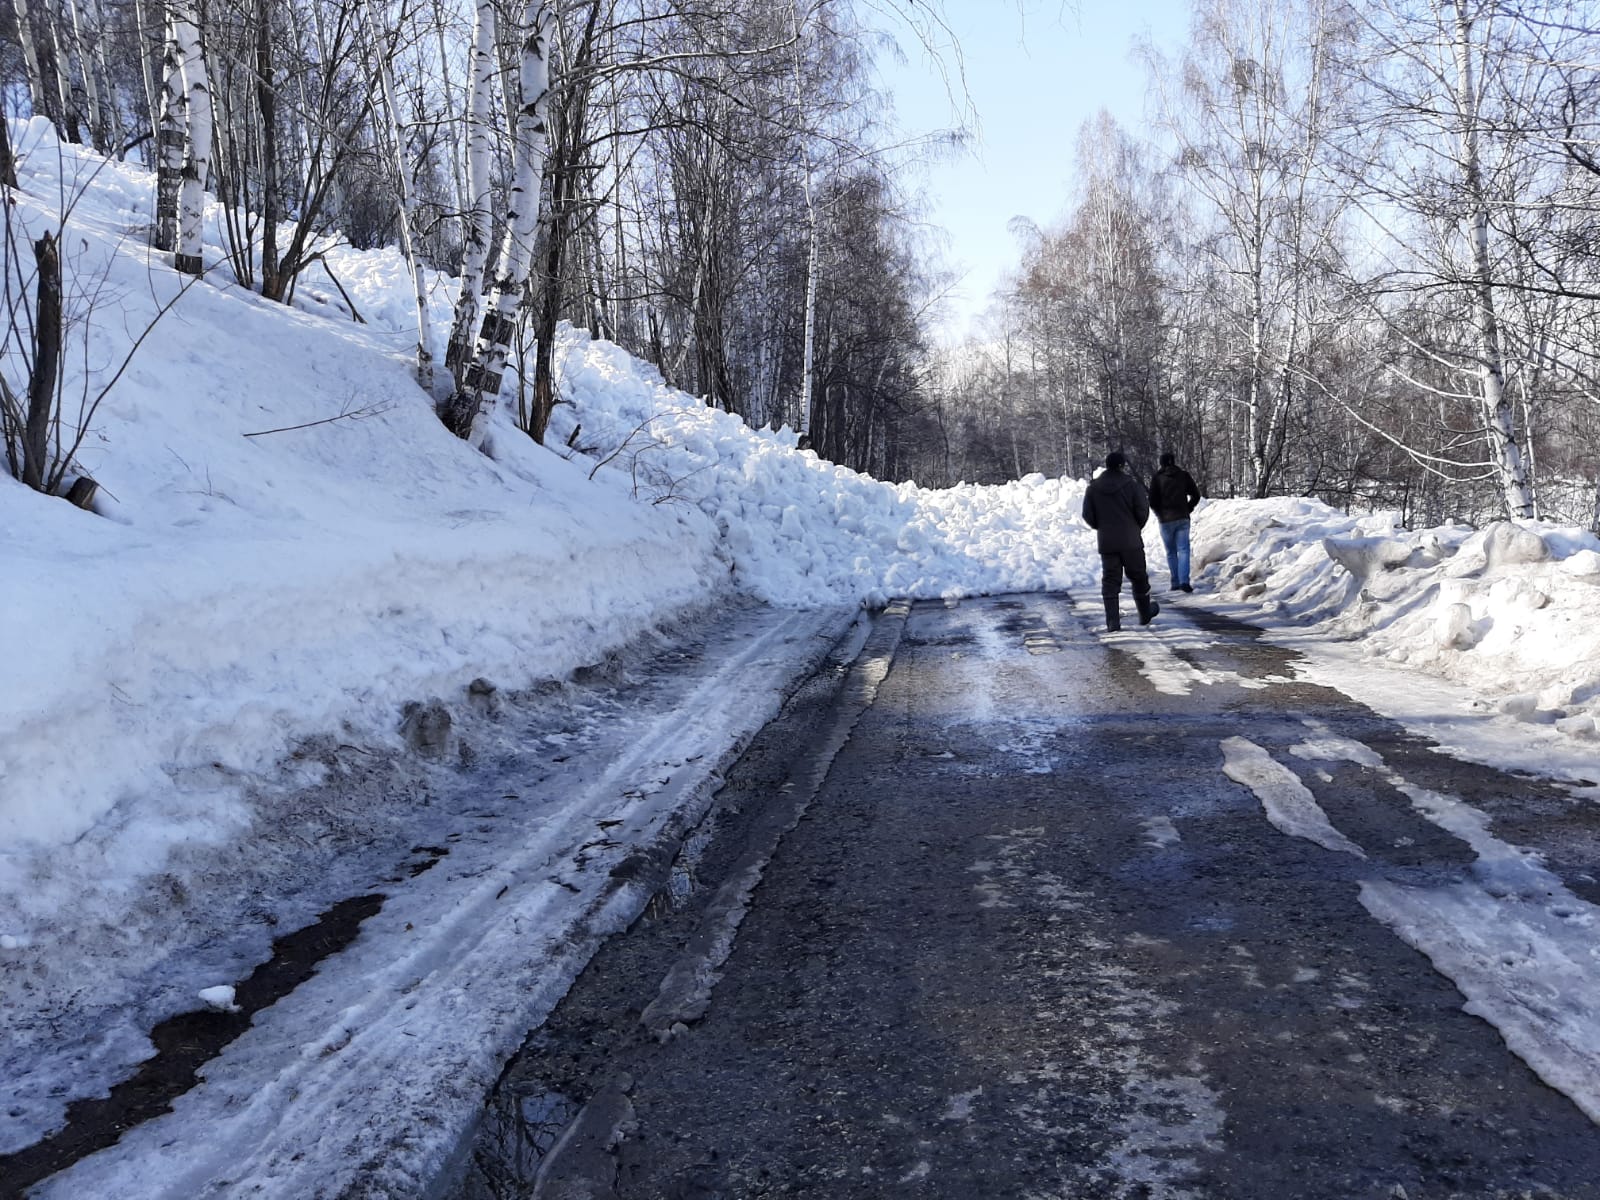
1116 461
1167 459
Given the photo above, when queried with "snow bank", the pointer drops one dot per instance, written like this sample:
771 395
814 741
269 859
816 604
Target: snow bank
1512 611
802 531
295 545
254 588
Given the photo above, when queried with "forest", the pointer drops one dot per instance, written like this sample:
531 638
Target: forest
1350 256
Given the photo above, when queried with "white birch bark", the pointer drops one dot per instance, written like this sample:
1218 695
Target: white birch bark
478 218
197 159
813 254
530 146
170 134
1496 409
809 356
395 145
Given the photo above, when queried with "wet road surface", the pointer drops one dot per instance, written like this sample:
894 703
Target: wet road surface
1026 938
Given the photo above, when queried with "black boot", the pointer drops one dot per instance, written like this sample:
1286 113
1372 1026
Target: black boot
1113 616
1148 608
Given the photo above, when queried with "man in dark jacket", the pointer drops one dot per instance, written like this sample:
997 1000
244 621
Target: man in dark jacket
1173 496
1116 508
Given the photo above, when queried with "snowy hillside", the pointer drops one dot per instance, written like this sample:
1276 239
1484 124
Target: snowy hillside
255 587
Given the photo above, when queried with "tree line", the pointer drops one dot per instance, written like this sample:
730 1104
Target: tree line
1354 260
701 181
1351 258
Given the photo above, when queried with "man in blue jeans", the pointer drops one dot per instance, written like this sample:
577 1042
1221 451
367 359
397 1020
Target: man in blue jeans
1173 495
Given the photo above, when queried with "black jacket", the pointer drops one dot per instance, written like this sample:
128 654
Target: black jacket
1173 494
1116 508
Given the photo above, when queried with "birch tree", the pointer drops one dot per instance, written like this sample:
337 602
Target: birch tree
1465 48
172 129
197 140
468 409
1431 70
478 219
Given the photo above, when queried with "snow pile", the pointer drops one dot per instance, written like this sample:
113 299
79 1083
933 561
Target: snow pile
254 588
1512 611
800 530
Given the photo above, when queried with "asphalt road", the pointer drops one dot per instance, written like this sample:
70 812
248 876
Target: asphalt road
1025 938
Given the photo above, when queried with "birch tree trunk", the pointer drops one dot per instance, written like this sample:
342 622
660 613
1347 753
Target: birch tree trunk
271 181
470 407
1256 249
1497 417
395 145
809 354
479 225
197 160
170 134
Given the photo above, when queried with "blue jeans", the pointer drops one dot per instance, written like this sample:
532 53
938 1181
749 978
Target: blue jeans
1175 537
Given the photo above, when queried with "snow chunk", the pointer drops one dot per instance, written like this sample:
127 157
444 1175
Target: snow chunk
1581 726
219 998
1584 563
1457 629
1362 556
1508 544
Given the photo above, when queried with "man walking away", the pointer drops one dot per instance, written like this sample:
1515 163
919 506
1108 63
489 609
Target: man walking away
1173 496
1116 508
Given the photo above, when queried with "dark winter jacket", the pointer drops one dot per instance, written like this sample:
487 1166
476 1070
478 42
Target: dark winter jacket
1173 494
1116 508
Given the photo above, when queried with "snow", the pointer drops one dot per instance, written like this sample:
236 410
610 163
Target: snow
1514 939
208 687
1288 803
219 997
1511 612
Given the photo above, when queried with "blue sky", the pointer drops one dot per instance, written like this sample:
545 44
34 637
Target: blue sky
1036 70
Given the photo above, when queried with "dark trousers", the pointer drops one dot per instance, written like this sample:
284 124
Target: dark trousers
1112 568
